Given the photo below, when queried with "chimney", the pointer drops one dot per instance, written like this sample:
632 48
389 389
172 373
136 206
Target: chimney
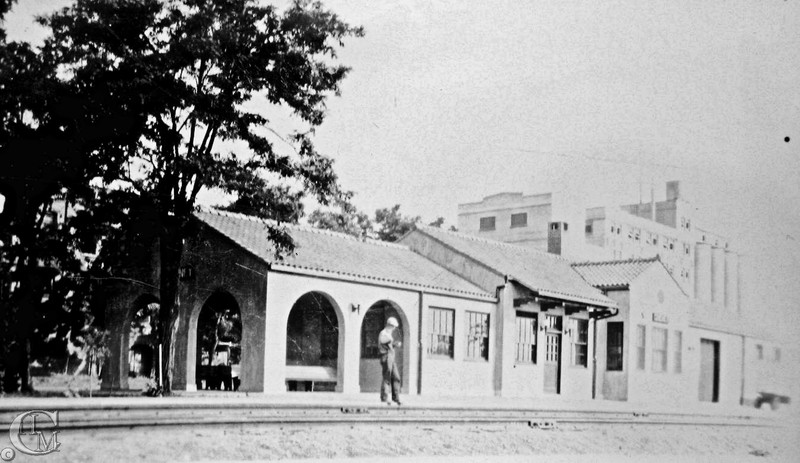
652 203
673 190
554 230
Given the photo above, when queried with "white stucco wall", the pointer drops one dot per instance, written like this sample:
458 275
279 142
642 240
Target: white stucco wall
283 290
527 380
458 376
656 301
440 377
730 365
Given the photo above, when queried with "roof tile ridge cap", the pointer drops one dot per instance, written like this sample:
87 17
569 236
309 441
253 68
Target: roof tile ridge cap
240 216
490 241
293 226
387 244
392 280
630 260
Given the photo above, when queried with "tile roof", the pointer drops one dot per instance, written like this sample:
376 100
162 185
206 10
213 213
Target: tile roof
615 273
340 254
547 274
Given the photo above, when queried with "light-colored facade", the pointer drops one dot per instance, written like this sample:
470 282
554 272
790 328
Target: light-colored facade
455 317
702 262
720 350
509 217
477 317
646 347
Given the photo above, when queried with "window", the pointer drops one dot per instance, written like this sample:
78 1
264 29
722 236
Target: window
777 354
554 226
640 346
526 337
566 227
589 229
580 342
519 220
487 223
477 335
614 331
678 365
760 351
659 349
441 340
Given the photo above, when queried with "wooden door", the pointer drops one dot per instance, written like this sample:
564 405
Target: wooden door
552 354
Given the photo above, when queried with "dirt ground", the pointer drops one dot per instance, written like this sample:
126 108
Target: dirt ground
270 442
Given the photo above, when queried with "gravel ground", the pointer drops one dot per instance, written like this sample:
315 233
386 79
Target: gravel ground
270 442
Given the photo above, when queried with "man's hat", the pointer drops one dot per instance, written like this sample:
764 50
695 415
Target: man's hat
391 321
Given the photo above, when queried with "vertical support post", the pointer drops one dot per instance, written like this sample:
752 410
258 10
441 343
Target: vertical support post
420 347
160 377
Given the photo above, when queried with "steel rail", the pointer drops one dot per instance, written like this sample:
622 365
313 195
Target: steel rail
232 414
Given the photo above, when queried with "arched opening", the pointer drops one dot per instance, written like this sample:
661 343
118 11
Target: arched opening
143 341
219 338
370 375
312 344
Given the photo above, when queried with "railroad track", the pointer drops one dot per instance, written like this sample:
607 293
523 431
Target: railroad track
150 414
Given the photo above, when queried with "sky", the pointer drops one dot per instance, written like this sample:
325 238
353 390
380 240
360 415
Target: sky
451 101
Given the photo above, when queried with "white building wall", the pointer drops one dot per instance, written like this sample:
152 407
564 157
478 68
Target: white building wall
656 301
283 290
730 364
457 376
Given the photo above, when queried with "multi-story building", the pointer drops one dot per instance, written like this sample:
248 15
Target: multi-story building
700 261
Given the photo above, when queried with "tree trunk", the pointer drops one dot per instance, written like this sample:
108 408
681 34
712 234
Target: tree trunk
171 251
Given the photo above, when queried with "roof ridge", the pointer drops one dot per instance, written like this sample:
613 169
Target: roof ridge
391 280
490 241
630 260
299 227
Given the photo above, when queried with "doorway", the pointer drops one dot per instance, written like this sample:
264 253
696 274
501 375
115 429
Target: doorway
709 370
552 354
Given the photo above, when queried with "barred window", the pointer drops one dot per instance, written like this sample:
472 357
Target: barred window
580 342
659 349
519 220
526 337
641 344
441 334
477 335
614 339
487 223
678 336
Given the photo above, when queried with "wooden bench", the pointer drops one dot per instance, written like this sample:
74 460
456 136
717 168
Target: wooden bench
309 373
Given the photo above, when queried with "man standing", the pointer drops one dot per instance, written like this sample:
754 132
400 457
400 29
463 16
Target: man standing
391 375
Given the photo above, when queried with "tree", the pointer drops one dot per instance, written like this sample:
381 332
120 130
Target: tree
344 218
392 225
194 68
48 136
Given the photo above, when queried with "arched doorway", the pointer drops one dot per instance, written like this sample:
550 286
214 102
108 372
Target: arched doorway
312 344
143 341
219 338
370 375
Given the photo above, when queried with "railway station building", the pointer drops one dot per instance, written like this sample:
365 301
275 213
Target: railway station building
477 317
